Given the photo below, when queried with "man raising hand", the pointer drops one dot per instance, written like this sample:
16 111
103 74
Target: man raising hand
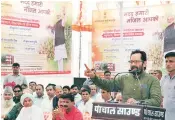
134 87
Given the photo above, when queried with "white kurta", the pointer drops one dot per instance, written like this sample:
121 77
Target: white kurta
77 98
87 107
47 104
30 113
60 52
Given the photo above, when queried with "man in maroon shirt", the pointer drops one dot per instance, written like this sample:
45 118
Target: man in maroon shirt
69 111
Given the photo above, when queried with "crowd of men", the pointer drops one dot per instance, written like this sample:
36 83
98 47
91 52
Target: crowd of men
33 101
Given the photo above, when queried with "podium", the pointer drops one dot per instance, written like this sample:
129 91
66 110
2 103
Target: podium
115 111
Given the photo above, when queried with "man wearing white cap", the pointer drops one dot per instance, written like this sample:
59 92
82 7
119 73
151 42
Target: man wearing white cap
7 101
29 110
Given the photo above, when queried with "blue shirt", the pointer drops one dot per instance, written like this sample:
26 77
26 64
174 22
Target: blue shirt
168 92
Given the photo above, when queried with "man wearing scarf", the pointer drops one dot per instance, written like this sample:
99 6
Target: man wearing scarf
29 110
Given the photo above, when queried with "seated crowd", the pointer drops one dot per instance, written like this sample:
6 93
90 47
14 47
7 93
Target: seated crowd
52 102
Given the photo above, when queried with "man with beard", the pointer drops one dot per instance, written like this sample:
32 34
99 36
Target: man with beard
136 87
39 95
75 92
15 78
13 114
7 102
66 89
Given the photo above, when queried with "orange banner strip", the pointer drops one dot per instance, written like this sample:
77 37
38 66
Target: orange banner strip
79 28
138 2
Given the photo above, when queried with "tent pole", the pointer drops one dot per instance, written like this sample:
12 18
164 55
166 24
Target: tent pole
121 22
80 54
80 51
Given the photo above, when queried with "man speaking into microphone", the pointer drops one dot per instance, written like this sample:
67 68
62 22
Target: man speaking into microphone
137 86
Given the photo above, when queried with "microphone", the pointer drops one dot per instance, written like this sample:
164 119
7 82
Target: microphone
130 71
135 71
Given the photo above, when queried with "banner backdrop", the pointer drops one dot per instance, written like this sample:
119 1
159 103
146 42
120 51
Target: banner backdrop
37 35
151 29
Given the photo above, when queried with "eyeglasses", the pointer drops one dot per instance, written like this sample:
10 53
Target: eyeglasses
153 73
17 91
134 61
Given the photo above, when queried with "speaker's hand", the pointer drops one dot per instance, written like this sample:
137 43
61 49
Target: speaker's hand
88 72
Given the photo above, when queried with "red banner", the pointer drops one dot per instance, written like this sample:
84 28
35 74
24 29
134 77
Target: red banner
39 73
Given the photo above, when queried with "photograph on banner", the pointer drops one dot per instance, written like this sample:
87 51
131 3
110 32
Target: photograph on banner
151 31
37 35
143 28
168 26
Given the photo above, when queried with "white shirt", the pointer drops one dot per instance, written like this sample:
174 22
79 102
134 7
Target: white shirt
30 113
18 79
47 104
97 97
87 107
77 98
34 94
38 101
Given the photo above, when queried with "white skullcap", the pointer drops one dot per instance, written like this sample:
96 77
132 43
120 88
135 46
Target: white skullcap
24 96
8 90
27 90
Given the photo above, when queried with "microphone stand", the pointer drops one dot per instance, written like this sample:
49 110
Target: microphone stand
130 71
141 102
135 73
120 73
